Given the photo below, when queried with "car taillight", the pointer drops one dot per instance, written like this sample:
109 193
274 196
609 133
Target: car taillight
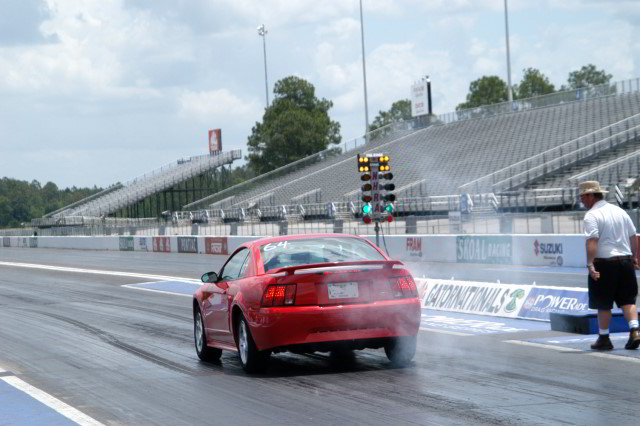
403 286
279 295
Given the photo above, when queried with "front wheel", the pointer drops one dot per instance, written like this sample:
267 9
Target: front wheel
401 350
204 352
251 359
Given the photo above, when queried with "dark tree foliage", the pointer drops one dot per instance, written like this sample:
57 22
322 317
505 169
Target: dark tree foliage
21 201
485 91
294 126
399 111
588 76
533 83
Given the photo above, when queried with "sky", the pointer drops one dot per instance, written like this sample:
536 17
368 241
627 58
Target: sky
94 92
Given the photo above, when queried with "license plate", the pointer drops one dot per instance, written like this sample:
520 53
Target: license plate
343 290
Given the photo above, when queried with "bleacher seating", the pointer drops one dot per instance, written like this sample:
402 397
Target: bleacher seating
150 183
441 158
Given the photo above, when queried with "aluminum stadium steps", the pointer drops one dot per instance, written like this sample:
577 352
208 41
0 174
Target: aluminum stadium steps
150 183
447 156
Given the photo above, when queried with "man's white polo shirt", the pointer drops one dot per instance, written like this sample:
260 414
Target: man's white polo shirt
613 228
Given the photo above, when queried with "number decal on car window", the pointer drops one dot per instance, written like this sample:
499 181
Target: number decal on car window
280 245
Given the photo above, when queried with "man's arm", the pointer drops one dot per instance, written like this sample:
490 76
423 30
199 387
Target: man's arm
592 247
634 247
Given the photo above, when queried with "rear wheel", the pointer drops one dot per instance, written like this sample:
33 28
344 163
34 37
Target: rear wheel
252 359
204 352
401 350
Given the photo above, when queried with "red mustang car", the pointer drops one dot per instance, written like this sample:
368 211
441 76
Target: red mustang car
306 293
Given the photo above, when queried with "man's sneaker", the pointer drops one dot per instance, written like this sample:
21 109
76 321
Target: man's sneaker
634 339
603 343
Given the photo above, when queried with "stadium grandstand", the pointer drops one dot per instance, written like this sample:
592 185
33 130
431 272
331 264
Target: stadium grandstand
526 155
163 184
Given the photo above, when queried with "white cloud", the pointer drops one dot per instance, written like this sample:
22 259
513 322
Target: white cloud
151 74
221 103
340 28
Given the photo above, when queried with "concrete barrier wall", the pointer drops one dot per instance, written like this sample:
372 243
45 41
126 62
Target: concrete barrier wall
531 250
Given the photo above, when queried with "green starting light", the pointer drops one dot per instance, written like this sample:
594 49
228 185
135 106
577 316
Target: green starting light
388 208
367 209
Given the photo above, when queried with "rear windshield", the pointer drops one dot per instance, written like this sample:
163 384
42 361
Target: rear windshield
316 250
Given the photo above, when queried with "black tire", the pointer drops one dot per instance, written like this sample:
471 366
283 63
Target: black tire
251 359
204 352
401 350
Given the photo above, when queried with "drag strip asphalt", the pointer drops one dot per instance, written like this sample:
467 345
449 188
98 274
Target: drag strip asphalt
121 355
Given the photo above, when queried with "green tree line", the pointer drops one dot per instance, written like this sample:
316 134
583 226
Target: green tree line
21 201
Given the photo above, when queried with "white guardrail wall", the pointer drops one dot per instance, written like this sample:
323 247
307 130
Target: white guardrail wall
564 250
494 299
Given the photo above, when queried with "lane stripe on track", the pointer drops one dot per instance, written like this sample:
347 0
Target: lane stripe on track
565 349
95 271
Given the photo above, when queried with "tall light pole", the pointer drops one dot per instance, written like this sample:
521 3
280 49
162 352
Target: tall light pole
364 77
262 31
506 26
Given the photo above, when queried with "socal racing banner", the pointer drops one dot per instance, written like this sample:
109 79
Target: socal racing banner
484 249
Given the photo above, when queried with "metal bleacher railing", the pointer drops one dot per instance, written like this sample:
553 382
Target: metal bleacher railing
616 170
249 191
136 189
555 159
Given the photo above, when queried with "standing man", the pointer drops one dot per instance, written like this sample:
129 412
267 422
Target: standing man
611 259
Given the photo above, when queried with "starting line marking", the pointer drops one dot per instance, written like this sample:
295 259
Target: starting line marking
564 349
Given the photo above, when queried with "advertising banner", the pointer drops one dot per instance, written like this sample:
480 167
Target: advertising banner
216 245
503 300
143 244
126 243
484 249
187 244
542 301
413 248
215 141
162 244
419 101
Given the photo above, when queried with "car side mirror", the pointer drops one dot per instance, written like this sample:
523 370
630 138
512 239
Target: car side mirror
209 277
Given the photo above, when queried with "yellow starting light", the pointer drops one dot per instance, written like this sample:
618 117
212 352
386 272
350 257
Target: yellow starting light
364 168
385 159
363 159
385 168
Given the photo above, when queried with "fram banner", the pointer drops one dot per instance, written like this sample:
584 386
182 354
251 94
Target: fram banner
413 248
484 249
215 141
503 300
542 301
162 244
216 245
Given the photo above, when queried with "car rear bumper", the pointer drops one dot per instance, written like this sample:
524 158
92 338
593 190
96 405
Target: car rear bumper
299 325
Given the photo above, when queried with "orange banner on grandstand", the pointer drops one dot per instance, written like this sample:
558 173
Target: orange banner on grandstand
215 141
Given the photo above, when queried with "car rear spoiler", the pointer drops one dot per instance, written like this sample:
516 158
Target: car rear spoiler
290 270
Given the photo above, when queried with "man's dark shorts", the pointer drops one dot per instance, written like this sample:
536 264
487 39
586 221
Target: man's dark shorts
617 283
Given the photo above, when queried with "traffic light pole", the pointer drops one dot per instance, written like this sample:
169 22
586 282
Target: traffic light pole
374 168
